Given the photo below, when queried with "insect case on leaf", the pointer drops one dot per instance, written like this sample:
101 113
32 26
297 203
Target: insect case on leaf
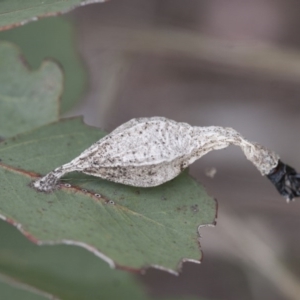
147 152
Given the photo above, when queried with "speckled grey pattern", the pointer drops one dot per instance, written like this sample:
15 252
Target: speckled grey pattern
147 152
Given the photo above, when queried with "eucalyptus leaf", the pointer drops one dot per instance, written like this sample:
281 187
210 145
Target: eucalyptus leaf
28 99
15 12
10 292
52 38
127 226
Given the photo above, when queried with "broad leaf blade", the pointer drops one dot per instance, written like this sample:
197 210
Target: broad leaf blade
15 12
28 99
54 38
127 226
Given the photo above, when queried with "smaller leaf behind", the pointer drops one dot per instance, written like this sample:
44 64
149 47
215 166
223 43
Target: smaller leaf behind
52 38
28 99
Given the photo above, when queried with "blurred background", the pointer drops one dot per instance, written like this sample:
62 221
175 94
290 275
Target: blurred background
210 63
230 63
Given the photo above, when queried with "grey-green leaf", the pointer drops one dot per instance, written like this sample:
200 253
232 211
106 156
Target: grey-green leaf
52 38
28 99
13 293
15 12
127 226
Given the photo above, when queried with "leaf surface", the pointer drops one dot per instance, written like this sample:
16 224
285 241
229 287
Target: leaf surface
127 226
15 12
28 99
65 272
13 293
52 38
68 273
